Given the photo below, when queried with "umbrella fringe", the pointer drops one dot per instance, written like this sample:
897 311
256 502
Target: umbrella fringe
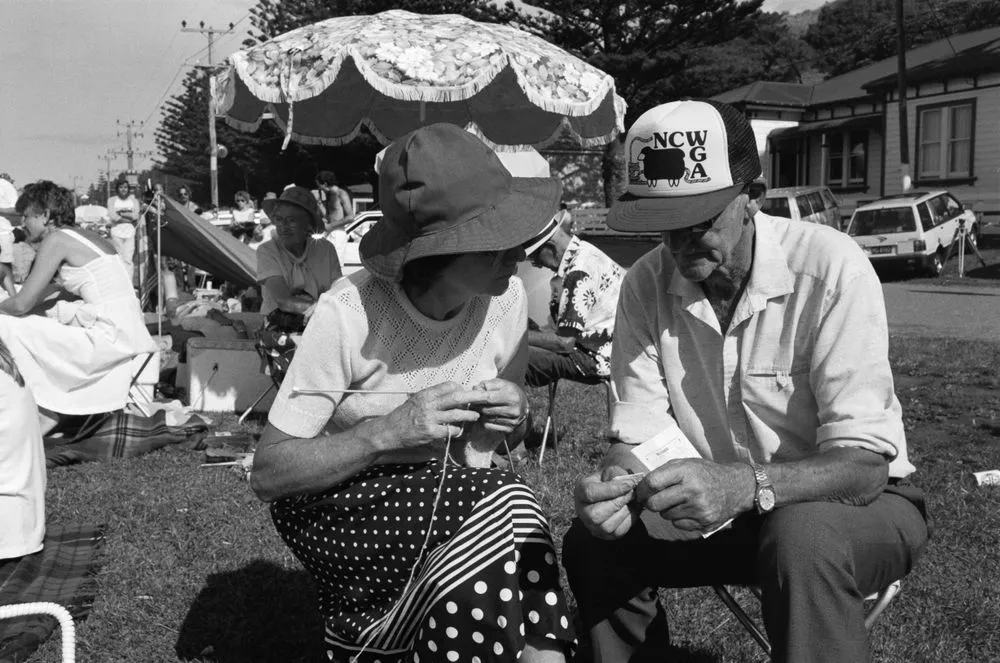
565 127
288 93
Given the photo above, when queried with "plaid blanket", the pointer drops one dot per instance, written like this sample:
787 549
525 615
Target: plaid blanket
63 572
119 435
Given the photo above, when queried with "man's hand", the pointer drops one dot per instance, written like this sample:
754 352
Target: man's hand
697 494
605 502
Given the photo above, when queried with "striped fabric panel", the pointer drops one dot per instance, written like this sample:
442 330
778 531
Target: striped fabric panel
478 544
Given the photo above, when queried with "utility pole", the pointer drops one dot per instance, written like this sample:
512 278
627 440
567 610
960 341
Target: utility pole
904 131
76 196
107 158
213 148
130 154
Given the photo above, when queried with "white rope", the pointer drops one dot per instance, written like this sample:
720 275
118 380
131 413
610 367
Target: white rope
55 610
420 554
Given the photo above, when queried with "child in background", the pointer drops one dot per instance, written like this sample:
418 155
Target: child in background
22 465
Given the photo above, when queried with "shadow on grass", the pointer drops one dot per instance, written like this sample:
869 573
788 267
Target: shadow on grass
261 612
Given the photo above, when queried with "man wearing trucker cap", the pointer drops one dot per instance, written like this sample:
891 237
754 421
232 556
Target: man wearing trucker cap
753 351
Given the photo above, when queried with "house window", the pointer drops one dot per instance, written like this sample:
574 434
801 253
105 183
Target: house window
944 141
847 158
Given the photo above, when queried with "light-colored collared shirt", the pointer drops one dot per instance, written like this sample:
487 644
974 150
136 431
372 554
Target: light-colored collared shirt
803 367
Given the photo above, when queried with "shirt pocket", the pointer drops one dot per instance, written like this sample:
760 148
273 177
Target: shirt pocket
782 400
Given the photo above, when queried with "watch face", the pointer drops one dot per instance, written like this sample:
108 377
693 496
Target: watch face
765 499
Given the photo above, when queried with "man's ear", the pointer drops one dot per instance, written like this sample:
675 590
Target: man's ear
755 193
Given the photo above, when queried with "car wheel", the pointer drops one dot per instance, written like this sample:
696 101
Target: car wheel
973 234
937 264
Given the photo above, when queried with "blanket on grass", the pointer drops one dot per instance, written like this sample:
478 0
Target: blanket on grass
63 572
119 435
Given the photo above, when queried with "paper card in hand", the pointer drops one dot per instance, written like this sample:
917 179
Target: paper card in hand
669 444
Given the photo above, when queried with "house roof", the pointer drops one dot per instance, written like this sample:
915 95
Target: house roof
959 55
853 84
870 120
768 93
965 64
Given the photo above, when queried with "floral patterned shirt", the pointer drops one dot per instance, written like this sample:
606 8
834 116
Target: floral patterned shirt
584 305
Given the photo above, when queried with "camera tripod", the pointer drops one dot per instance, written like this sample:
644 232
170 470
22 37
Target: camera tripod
962 238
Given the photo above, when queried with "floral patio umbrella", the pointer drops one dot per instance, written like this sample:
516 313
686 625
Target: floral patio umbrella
396 71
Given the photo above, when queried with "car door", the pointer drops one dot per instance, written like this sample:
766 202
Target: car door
944 228
803 208
831 209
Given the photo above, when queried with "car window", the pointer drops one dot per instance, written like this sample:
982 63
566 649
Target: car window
939 211
776 207
816 201
926 220
805 208
882 221
828 198
953 206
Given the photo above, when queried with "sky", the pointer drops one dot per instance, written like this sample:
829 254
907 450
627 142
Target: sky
73 73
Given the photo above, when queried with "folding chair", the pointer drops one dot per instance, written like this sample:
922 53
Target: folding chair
276 350
137 396
54 609
550 417
881 601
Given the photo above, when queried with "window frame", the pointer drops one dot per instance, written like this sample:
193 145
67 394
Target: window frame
944 174
843 141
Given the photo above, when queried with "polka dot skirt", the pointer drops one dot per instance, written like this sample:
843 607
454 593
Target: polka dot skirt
485 582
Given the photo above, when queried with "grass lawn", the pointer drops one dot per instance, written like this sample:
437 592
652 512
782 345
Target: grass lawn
195 571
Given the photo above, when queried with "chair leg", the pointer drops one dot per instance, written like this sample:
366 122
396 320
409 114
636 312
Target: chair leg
552 413
254 404
743 618
550 422
882 601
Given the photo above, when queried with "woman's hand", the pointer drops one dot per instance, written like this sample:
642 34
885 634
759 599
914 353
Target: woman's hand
506 406
428 418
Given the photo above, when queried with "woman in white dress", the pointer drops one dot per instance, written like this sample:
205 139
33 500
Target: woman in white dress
123 210
76 357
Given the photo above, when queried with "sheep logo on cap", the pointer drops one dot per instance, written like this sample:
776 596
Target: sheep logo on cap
665 158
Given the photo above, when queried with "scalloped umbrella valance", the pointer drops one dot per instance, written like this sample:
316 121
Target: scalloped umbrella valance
395 71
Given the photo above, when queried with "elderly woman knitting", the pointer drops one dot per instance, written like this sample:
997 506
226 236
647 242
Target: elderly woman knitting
377 451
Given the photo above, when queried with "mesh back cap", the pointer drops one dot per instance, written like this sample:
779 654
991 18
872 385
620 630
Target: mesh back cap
686 161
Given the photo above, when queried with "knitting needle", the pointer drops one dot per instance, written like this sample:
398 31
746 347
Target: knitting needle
300 390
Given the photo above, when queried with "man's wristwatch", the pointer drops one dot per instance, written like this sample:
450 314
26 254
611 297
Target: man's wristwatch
763 498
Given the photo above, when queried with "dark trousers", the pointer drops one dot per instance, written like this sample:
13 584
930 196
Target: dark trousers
814 562
546 366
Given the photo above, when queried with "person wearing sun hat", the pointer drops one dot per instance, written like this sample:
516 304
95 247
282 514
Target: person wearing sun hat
583 305
294 268
377 452
763 343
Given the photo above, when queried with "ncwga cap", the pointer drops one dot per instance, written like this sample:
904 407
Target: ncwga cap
686 160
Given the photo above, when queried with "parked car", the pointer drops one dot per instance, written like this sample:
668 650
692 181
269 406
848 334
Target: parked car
812 204
350 262
911 230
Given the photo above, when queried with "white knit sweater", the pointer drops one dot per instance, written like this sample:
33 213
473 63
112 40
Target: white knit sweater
366 334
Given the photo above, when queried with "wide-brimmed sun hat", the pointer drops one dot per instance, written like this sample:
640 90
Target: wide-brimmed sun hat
687 160
443 191
538 241
300 197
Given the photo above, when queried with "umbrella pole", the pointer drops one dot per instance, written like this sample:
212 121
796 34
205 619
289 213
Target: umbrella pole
159 267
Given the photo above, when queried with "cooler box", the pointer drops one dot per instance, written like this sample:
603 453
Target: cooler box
225 375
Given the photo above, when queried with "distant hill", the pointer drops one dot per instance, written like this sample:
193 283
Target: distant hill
800 22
